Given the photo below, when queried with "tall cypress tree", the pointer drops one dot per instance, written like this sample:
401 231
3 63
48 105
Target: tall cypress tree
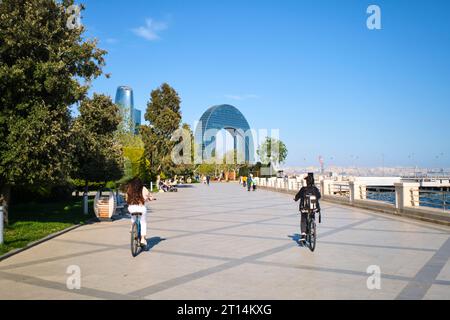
164 115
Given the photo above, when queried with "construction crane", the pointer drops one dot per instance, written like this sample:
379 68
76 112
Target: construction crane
322 165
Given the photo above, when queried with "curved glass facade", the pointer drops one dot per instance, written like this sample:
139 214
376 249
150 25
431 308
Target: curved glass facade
125 100
231 119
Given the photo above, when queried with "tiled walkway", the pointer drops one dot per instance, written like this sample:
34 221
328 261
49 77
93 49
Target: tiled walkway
221 242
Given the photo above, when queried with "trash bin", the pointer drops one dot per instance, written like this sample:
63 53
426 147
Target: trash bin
105 204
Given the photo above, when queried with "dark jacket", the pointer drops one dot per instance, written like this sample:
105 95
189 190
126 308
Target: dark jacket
308 190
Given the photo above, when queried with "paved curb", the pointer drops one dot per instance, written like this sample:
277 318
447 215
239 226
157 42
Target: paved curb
47 238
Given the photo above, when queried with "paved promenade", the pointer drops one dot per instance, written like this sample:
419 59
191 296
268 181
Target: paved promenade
221 242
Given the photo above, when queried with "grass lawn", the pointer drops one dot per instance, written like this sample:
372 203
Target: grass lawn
33 221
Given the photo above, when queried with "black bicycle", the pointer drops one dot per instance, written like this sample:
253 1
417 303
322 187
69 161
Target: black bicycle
311 227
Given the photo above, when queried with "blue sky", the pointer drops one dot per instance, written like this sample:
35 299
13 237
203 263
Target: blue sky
309 68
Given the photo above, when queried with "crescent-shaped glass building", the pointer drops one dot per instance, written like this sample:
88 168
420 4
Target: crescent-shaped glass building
231 119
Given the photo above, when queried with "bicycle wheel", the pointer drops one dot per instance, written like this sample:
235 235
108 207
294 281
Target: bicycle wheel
312 235
300 242
135 241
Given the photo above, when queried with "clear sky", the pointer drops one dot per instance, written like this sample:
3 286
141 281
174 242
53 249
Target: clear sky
309 68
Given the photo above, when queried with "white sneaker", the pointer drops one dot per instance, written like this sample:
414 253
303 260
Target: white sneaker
143 241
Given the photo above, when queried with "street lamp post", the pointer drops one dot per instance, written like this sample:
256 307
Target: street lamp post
411 156
438 158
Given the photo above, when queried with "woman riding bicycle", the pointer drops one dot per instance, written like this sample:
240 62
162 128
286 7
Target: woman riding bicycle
136 204
310 189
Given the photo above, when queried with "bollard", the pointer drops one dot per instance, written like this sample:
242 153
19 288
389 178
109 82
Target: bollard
85 203
151 186
1 225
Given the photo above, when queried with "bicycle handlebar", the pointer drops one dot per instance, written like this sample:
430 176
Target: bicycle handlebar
310 211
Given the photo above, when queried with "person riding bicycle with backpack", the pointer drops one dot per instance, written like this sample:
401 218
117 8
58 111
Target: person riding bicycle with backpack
312 190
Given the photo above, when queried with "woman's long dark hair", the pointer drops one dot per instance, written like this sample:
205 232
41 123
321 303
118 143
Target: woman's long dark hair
134 192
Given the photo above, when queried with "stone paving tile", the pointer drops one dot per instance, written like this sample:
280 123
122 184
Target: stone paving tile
356 259
270 282
438 292
28 292
187 225
398 226
386 238
154 268
445 273
265 230
224 246
48 252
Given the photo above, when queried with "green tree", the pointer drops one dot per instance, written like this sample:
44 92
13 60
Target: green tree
272 152
45 67
136 164
164 117
186 144
129 139
231 162
207 169
97 154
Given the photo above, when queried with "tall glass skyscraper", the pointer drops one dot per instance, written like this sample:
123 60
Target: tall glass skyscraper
137 120
125 100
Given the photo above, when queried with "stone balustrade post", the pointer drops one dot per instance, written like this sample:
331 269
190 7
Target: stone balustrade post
357 191
325 186
406 195
363 191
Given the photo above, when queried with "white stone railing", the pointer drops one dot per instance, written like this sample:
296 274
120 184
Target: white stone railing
406 193
407 200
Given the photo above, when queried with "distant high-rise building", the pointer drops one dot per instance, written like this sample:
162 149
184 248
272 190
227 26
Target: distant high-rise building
137 120
125 100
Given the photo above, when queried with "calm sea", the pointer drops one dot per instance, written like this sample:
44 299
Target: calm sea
428 198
